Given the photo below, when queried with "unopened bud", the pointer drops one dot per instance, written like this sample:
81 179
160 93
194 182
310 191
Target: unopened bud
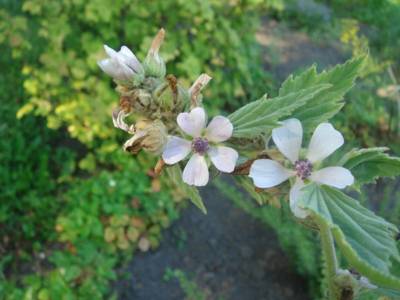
153 64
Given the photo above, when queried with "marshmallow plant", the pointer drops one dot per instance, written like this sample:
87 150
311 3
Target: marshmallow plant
170 122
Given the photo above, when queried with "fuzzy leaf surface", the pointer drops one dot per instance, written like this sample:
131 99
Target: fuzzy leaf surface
366 240
261 116
368 164
324 105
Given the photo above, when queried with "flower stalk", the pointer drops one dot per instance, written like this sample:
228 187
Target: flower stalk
330 260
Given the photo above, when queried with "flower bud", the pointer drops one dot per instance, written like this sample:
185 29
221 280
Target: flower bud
150 136
169 96
122 66
153 64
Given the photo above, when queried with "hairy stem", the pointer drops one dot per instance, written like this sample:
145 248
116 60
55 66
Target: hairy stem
328 249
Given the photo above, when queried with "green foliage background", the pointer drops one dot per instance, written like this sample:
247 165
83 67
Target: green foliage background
61 167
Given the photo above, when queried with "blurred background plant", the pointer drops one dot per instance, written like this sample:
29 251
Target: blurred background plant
73 205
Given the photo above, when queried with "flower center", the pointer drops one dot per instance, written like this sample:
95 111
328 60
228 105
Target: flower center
303 168
200 145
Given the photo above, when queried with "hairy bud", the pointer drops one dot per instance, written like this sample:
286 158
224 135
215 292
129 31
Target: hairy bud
153 64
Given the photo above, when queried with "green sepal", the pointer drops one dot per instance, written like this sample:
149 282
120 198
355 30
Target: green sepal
154 66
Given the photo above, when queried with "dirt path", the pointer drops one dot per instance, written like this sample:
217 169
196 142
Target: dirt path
285 50
226 253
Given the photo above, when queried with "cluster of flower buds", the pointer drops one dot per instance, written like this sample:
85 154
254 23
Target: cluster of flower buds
152 98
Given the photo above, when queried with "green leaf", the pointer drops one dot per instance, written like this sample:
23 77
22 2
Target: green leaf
175 175
368 164
260 116
366 240
323 105
386 292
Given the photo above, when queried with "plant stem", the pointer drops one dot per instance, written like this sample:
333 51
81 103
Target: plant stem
328 249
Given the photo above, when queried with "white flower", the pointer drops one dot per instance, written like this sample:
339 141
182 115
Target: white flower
204 141
267 173
122 65
362 281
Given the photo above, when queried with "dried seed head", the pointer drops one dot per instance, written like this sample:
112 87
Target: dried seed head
150 136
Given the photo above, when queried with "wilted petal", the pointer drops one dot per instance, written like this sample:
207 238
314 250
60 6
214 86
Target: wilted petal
324 142
175 150
134 144
198 85
219 130
196 171
223 158
192 123
338 177
118 116
267 173
294 195
288 138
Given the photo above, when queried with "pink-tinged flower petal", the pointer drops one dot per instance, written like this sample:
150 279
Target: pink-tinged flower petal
175 150
337 177
223 158
288 138
130 59
192 123
109 66
294 195
196 171
219 130
267 173
116 69
324 142
110 51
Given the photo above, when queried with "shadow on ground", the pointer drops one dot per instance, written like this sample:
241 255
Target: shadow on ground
228 254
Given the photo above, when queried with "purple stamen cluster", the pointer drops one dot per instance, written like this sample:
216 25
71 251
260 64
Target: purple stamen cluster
303 168
200 145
